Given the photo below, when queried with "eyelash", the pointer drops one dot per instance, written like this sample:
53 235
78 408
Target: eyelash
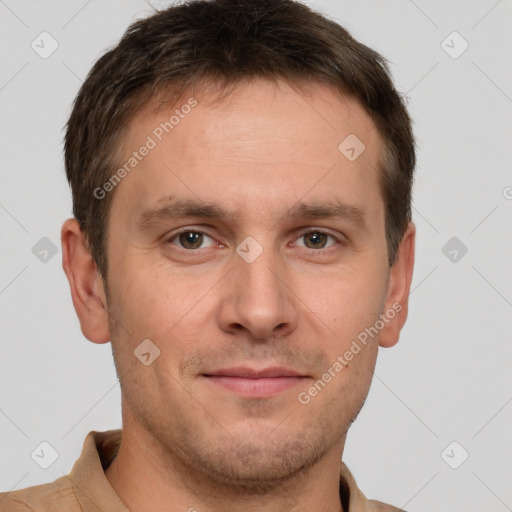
301 234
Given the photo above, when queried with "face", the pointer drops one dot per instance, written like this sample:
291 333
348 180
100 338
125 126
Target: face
250 249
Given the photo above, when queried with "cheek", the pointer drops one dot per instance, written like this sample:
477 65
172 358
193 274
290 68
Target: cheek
349 303
160 305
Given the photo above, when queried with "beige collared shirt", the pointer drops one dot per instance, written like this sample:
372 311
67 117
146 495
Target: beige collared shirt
86 488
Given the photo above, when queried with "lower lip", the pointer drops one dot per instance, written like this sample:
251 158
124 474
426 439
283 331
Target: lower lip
257 388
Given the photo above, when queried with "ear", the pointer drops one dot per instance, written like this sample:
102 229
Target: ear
85 281
397 298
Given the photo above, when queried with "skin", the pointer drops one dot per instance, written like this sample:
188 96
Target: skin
186 439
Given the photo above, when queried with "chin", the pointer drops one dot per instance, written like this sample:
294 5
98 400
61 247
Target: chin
256 467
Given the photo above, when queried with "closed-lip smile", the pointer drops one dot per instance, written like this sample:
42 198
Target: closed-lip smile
256 383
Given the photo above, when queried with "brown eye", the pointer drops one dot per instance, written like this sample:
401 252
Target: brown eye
316 239
191 239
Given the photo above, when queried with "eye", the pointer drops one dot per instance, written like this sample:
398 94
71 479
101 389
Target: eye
316 239
191 239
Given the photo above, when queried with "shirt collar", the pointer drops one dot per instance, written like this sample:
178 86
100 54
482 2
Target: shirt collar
92 488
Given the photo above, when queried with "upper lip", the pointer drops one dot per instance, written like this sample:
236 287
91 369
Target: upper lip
251 373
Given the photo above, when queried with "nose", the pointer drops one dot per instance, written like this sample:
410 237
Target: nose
259 298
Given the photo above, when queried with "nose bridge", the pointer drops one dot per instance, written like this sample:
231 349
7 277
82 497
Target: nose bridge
259 276
261 302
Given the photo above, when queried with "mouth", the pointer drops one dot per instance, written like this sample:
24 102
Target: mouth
254 383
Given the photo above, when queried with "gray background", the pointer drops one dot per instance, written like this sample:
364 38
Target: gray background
447 380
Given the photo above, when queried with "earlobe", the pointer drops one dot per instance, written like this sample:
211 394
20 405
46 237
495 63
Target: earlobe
396 305
85 283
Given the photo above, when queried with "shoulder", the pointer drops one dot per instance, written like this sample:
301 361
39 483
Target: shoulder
11 504
56 496
378 506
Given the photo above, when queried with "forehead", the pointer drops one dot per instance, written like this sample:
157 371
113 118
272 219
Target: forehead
253 147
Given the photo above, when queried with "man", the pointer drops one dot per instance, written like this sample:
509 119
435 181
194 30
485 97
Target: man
241 174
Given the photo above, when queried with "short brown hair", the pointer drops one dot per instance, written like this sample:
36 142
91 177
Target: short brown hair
227 41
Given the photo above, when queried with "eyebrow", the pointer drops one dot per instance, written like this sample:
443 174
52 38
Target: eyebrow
183 208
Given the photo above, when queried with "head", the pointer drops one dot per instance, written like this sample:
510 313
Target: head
242 198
